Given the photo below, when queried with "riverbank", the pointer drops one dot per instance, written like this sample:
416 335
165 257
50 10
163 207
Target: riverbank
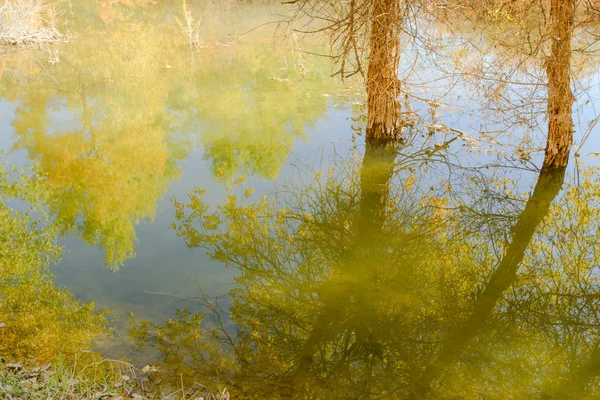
105 379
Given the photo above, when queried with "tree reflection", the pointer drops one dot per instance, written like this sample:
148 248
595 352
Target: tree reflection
108 128
40 322
364 285
114 156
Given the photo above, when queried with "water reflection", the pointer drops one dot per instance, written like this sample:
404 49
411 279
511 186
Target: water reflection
109 128
364 282
100 134
39 322
369 278
252 109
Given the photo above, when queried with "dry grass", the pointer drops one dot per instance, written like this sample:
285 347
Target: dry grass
189 27
26 22
111 380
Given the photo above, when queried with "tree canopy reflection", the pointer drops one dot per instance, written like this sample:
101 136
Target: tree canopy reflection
364 283
136 109
40 322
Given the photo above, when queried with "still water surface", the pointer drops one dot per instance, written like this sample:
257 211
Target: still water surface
361 264
128 120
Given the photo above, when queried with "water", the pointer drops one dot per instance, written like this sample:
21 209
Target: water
344 270
122 131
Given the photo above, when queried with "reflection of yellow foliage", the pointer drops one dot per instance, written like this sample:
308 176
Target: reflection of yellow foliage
326 301
105 194
253 108
40 322
317 272
106 171
133 95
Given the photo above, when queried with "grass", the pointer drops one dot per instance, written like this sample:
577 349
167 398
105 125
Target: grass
106 379
26 22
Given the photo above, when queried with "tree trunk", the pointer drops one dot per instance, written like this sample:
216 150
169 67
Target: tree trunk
383 86
560 97
560 140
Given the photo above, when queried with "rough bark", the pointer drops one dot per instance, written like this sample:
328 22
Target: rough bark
560 97
383 86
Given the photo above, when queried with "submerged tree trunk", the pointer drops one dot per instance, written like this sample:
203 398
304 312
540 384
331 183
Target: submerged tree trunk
383 86
560 97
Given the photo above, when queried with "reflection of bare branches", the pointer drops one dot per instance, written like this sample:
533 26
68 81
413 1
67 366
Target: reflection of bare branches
547 188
